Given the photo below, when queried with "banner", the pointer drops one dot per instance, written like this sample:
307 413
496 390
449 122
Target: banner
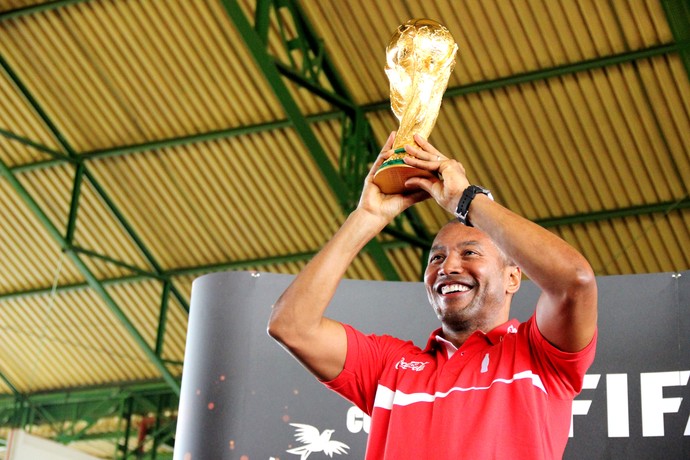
245 398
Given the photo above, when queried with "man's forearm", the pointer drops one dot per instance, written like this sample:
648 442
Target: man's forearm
545 258
302 305
298 320
567 309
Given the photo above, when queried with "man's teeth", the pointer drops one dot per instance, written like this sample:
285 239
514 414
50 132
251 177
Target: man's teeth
454 288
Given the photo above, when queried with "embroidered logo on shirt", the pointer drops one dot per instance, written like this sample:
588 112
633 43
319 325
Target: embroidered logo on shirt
511 330
485 364
412 365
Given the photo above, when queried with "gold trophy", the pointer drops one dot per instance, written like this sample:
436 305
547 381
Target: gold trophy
419 60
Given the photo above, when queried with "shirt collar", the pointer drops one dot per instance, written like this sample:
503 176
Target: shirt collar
493 337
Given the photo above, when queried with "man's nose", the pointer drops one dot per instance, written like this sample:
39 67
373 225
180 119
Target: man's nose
452 264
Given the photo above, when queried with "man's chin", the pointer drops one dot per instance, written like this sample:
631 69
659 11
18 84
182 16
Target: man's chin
450 305
459 311
455 316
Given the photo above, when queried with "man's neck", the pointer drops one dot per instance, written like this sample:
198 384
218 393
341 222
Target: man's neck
458 336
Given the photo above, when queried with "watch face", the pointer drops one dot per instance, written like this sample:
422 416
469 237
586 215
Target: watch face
487 192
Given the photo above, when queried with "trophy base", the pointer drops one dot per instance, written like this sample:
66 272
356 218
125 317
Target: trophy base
391 179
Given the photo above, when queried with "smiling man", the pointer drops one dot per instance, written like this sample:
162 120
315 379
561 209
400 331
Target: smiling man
484 386
469 282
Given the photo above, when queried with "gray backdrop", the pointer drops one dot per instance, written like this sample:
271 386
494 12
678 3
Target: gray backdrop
241 391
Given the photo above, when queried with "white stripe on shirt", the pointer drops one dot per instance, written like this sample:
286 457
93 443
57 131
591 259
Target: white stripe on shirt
387 398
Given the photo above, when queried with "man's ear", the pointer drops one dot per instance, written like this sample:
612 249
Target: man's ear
514 278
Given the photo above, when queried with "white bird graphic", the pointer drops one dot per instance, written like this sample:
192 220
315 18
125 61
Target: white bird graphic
315 442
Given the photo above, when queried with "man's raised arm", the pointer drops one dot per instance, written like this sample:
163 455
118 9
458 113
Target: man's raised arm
298 320
567 309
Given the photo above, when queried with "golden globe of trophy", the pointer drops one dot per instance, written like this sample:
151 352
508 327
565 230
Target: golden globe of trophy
419 60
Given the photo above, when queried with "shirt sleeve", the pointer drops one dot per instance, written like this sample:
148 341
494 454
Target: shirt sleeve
564 371
367 356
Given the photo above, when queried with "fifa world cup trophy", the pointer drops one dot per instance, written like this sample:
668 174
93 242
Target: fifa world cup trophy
419 60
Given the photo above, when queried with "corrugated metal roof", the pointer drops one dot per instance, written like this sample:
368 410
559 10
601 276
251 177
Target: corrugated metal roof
192 151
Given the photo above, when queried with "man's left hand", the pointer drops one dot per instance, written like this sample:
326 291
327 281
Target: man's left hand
447 188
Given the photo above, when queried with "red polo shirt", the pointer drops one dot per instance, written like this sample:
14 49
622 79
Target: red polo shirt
505 394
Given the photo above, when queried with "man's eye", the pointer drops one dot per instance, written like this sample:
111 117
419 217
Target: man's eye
435 258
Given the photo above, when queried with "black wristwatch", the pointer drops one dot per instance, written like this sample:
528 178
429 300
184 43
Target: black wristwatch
465 201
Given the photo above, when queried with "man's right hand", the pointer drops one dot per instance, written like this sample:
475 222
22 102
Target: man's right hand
380 205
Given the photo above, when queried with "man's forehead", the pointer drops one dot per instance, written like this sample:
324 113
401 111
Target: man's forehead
455 233
455 244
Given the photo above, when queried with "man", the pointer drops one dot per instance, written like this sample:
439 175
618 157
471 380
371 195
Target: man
484 387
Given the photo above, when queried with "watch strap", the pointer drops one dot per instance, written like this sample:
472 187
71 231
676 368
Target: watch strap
468 195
